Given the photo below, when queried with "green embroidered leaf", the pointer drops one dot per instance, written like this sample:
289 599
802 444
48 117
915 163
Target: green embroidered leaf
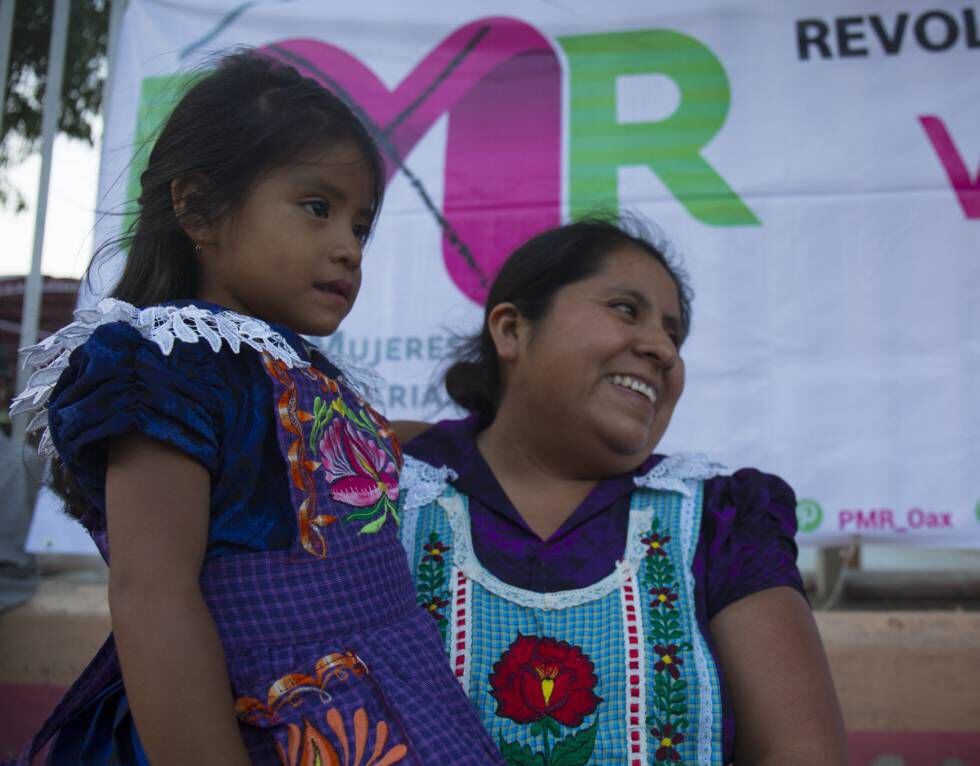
374 526
553 727
536 729
519 755
575 750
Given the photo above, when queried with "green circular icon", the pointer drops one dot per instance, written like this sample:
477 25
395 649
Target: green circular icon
809 515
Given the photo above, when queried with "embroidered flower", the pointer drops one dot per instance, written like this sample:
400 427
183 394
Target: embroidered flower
434 550
539 677
359 471
669 660
656 544
433 607
667 739
663 596
310 747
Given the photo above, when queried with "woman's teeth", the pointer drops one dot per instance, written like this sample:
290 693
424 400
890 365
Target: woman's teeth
628 381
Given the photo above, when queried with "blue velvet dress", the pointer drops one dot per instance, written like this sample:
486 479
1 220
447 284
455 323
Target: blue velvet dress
303 574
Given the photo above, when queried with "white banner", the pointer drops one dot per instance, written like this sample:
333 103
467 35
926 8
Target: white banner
814 166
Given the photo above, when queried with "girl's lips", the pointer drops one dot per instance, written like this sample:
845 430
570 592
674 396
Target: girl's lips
340 287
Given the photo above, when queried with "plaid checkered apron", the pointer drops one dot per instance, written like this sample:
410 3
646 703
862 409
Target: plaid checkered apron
328 653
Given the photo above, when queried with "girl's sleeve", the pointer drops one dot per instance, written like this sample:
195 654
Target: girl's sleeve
118 383
749 525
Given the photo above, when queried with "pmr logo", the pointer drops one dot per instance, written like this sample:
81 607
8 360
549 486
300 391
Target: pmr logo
506 90
809 515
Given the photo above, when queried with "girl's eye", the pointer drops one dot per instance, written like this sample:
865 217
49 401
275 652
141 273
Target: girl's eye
318 208
361 232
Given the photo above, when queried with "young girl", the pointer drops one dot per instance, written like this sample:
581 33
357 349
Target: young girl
262 606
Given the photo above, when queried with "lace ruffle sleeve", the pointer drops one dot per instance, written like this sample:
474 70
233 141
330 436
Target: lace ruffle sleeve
117 382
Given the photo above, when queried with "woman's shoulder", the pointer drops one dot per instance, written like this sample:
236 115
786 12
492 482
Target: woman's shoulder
748 530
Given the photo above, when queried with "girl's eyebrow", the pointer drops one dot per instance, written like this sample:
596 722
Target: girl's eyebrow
317 181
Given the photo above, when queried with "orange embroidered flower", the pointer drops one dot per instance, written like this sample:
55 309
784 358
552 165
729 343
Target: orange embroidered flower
310 747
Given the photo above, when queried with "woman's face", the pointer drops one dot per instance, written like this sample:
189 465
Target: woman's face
601 369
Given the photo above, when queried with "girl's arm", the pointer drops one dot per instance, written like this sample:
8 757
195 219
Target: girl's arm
786 709
157 504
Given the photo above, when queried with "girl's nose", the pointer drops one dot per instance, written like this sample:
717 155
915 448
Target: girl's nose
347 251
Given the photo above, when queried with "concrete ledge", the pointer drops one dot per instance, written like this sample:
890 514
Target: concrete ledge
908 681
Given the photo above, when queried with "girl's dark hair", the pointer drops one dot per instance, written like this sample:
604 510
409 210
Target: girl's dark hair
529 279
248 115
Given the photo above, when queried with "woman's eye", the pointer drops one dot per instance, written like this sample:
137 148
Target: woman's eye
317 207
362 232
624 308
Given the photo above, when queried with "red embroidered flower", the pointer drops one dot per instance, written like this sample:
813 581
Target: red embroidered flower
434 550
359 471
666 740
540 677
663 596
669 660
656 544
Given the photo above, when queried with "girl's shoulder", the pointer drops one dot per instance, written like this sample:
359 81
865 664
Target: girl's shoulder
116 346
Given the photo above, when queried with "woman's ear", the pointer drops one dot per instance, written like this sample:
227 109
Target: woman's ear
507 328
187 195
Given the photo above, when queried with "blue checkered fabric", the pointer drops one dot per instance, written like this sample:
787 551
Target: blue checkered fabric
597 628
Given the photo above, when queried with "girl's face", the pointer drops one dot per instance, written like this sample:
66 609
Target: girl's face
602 368
291 253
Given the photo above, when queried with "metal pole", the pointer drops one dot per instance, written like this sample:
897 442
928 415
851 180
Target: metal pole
6 33
30 315
118 7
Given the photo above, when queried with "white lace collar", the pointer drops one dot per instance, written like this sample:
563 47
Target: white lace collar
162 325
674 471
424 483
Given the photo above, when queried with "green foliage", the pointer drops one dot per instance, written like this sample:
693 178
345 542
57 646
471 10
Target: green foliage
575 750
81 92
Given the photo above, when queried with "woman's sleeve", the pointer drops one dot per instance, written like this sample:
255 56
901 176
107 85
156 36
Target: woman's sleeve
749 524
119 383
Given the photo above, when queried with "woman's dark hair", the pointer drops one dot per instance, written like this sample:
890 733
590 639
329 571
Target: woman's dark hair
250 114
529 279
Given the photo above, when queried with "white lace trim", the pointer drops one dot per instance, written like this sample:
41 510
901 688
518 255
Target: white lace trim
460 632
455 506
674 473
422 482
634 641
163 325
689 539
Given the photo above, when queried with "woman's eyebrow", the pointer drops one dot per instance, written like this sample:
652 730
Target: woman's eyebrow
671 321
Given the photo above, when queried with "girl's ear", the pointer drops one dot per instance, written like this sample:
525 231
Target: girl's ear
509 331
188 195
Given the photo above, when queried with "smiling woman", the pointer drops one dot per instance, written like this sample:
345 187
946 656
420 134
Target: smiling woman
596 598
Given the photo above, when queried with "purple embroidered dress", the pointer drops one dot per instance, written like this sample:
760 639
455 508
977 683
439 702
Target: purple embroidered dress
745 542
329 657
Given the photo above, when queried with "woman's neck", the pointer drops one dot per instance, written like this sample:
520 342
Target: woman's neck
535 479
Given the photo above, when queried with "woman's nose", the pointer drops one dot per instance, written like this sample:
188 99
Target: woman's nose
659 346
